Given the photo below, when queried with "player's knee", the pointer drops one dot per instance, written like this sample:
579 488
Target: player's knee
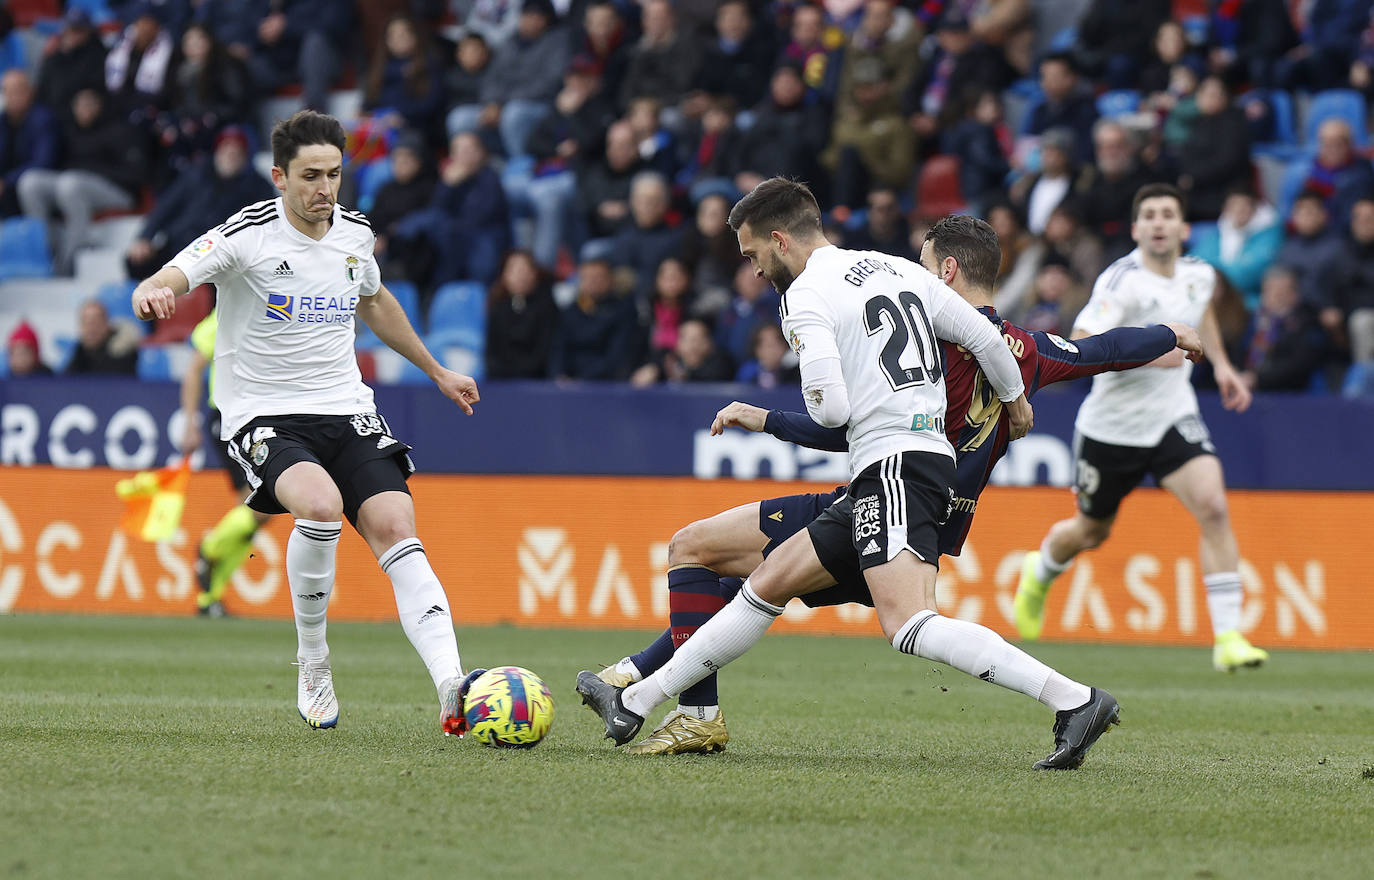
320 507
1092 532
390 532
688 546
1212 512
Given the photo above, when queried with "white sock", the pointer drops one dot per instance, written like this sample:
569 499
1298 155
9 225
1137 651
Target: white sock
423 608
725 637
701 713
984 654
1047 569
310 573
1224 594
626 666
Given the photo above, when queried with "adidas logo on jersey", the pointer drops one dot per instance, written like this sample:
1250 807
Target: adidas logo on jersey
871 548
384 442
284 270
434 611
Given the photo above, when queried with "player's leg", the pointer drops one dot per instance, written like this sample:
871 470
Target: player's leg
228 544
1200 485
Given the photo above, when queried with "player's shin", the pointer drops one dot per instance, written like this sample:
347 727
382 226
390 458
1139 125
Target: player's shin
982 653
720 640
423 609
310 555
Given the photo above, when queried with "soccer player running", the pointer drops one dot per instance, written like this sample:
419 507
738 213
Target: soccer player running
228 544
865 325
292 273
964 253
1147 421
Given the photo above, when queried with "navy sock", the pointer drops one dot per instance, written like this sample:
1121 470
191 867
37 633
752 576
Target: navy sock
652 658
694 596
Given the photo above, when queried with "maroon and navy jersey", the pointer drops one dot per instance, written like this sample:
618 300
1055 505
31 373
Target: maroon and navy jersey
976 423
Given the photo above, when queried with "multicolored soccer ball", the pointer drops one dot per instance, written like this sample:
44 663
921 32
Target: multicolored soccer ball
509 707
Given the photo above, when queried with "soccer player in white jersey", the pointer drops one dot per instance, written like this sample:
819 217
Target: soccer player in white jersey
1147 421
292 274
866 325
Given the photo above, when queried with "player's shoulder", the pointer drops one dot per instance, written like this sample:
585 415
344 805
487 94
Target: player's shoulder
253 216
1196 266
1119 273
353 218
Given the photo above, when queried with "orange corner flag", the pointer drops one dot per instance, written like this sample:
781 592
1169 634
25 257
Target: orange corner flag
153 502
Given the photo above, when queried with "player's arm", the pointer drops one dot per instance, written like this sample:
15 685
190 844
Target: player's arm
1122 348
810 330
388 320
192 383
792 427
954 320
1235 394
156 297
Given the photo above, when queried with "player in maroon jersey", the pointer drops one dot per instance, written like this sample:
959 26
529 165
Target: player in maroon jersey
964 253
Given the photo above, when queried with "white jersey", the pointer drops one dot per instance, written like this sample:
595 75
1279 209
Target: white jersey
286 309
883 317
1137 407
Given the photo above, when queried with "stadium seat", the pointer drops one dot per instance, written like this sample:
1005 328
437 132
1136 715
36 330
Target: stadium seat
24 249
457 352
1275 134
26 12
1290 184
937 188
153 364
98 10
191 310
117 297
1346 104
459 314
409 297
1359 381
1120 102
12 52
370 177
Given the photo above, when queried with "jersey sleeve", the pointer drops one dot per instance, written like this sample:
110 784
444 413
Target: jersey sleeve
954 320
372 274
209 258
1108 306
803 431
809 326
1122 348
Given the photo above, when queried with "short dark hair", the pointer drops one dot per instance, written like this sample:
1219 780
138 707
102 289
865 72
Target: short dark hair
778 203
305 128
973 243
1158 191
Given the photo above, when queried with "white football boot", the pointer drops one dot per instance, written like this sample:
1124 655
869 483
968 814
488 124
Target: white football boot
315 698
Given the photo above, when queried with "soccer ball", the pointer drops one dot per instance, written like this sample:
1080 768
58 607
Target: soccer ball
509 707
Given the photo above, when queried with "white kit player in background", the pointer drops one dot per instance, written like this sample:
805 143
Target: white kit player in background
292 273
1147 421
867 328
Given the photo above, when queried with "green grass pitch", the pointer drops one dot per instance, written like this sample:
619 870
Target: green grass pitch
171 748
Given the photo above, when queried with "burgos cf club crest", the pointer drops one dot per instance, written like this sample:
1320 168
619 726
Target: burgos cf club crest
279 307
351 266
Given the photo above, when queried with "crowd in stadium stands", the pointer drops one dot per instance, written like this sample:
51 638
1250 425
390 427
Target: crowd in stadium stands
577 159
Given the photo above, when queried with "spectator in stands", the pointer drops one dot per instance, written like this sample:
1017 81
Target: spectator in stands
1362 69
1021 256
1036 195
28 137
658 147
807 52
1284 345
603 44
1170 48
206 194
1338 173
979 140
1105 194
884 228
711 248
1179 106
1216 156
787 135
495 20
754 302
597 332
1007 26
1067 104
209 89
773 364
1329 42
410 189
1348 313
525 75
869 145
1057 296
1248 38
605 186
1244 242
22 353
1114 39
103 170
1312 244
284 41
102 348
467 223
1066 238
138 69
647 240
736 63
663 64
463 79
75 62
403 81
522 318
959 62
667 306
892 40
694 358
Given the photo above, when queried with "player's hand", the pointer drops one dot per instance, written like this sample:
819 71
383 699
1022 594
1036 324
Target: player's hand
191 437
458 388
1189 341
1021 417
159 302
1235 396
739 415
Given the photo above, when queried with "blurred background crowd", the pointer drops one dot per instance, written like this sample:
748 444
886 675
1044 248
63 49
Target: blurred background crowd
549 180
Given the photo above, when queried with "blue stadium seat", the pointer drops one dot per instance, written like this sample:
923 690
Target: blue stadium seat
459 313
1359 380
1063 40
369 179
409 298
1275 135
1290 185
1346 104
12 52
98 10
154 365
459 351
24 249
1119 102
117 297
